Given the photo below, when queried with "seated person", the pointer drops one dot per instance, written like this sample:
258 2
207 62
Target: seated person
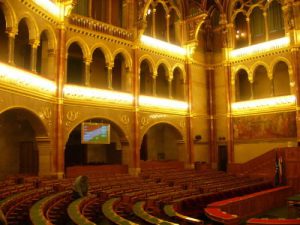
80 187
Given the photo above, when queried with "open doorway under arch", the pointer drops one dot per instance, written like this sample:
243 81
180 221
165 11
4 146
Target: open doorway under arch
162 142
87 156
20 131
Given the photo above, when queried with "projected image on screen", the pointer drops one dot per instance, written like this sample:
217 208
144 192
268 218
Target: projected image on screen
95 133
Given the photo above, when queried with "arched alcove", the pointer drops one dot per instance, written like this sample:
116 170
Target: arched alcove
257 26
162 85
160 23
261 83
75 65
241 34
146 80
43 55
161 142
149 21
242 86
178 85
3 37
99 75
275 20
119 73
21 131
174 28
281 79
22 46
83 147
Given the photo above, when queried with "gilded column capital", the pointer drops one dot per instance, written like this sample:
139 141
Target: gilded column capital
34 43
110 66
11 32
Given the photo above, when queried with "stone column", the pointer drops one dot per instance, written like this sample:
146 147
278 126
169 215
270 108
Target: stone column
266 26
11 48
87 71
154 83
109 75
128 80
45 151
60 78
249 31
168 28
230 134
189 120
51 64
295 52
134 166
33 54
153 22
211 111
170 87
251 89
271 87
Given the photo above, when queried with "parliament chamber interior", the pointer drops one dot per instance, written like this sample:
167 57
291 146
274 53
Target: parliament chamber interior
149 112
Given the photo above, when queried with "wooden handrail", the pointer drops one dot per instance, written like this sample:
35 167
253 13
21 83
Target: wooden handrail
171 212
75 214
108 211
138 209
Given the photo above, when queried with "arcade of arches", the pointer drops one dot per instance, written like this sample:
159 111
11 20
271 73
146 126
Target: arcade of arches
219 83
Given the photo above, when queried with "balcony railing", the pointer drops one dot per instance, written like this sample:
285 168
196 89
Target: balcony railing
98 26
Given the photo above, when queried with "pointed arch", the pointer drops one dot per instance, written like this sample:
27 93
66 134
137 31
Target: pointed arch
149 59
235 13
83 45
40 127
179 14
107 53
262 85
76 73
166 64
33 29
181 67
10 16
126 55
198 28
242 67
288 63
52 41
242 86
260 63
175 126
178 84
111 119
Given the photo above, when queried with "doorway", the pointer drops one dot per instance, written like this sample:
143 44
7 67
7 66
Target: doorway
222 158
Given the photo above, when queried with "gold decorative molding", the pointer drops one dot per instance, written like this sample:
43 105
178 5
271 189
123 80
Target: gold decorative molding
261 48
125 119
23 81
107 97
144 122
182 124
163 105
163 46
71 117
282 103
